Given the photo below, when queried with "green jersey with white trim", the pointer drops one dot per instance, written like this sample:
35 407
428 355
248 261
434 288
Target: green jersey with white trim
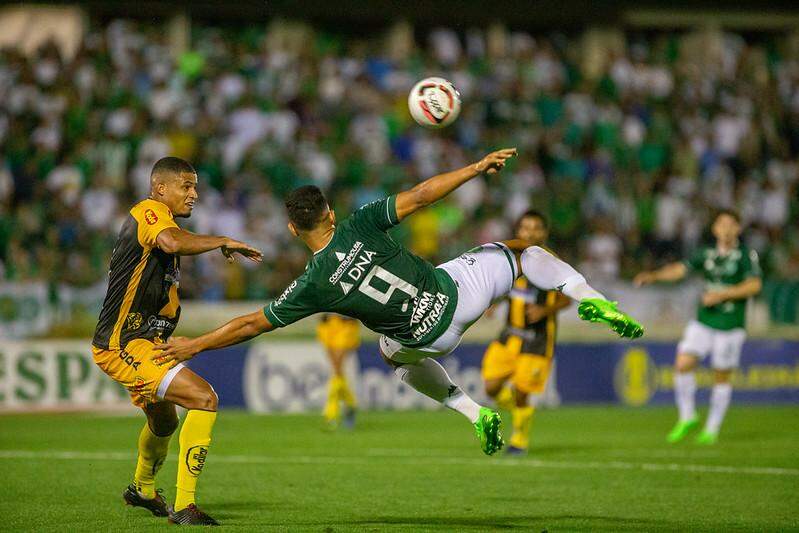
720 271
363 273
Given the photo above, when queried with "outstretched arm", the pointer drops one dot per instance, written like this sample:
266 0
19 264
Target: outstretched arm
670 272
741 291
437 187
238 330
181 242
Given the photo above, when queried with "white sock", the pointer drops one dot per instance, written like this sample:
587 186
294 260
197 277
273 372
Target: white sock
547 272
684 392
719 401
462 403
429 377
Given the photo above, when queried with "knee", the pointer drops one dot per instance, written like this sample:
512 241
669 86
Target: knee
534 252
522 398
492 388
684 363
389 362
203 398
163 426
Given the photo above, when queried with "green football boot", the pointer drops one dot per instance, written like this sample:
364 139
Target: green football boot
706 438
487 429
599 310
681 430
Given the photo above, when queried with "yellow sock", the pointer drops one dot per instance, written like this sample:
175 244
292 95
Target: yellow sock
152 454
522 419
506 399
195 436
332 409
345 393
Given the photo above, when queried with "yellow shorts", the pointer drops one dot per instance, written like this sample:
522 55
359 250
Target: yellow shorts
132 367
528 372
336 333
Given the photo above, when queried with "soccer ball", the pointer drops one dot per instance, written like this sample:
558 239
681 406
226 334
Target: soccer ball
434 103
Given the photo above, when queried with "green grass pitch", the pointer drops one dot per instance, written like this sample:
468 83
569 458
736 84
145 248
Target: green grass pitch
591 469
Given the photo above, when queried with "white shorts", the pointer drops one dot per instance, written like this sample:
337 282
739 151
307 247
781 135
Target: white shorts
724 346
482 276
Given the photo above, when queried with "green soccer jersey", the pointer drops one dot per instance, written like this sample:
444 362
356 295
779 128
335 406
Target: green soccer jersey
720 271
363 273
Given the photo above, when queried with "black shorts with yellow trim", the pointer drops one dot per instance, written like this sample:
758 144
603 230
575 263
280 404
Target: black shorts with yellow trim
134 369
528 372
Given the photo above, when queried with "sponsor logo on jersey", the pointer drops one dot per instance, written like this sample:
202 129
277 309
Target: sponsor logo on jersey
718 265
133 321
353 266
423 303
362 262
345 264
158 323
433 307
150 217
286 293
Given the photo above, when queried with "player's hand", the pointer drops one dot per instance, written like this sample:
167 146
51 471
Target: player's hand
174 351
232 247
644 278
495 161
711 298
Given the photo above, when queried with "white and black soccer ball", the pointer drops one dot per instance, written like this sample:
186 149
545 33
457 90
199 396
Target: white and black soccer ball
434 103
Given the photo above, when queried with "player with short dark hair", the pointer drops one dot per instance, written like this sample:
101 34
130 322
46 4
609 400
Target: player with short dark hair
306 206
141 309
516 366
732 275
421 311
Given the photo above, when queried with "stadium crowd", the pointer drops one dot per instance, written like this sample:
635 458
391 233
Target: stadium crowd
626 143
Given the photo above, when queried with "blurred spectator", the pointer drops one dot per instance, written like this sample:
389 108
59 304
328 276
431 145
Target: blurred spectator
625 142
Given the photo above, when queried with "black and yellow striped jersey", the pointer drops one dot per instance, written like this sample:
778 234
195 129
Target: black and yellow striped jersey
536 338
142 297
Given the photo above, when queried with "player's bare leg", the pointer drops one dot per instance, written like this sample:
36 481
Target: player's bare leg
162 421
547 272
719 402
497 390
684 396
428 377
192 392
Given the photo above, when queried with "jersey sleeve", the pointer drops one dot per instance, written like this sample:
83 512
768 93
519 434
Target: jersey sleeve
696 261
153 218
380 214
297 302
750 265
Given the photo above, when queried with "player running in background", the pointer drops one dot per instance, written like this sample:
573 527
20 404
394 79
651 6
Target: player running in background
340 335
525 348
732 275
140 310
422 311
